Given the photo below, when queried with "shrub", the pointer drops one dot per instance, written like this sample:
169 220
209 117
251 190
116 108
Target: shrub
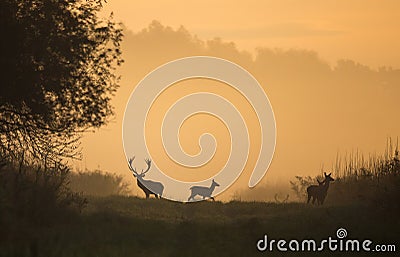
97 183
35 195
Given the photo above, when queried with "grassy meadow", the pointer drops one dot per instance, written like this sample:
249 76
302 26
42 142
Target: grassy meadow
41 216
131 226
127 226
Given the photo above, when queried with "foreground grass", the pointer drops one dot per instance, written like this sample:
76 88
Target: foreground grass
128 226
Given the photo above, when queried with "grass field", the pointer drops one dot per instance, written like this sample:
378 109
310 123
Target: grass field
129 226
41 217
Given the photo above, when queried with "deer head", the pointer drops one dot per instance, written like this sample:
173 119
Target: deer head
134 172
215 183
328 177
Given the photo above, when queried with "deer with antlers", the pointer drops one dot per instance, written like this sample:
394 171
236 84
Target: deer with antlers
319 192
149 187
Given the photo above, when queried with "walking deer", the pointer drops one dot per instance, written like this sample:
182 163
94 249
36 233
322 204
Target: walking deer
149 187
319 192
203 191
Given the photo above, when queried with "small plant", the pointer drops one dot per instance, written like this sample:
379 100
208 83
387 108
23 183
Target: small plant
285 200
300 184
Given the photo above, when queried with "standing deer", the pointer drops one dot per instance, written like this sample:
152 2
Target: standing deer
203 191
312 191
149 187
319 192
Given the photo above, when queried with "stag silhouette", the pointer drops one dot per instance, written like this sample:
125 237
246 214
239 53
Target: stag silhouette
149 187
203 191
319 192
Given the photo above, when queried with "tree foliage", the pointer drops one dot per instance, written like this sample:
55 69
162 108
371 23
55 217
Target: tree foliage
58 74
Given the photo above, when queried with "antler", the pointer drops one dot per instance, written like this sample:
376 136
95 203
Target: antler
148 162
130 161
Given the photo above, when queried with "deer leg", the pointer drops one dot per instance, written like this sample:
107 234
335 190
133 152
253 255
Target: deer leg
313 199
147 196
309 198
191 197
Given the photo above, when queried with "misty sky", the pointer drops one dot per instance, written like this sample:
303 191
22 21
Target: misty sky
318 65
366 31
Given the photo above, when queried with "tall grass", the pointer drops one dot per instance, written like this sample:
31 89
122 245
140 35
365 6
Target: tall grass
356 165
371 179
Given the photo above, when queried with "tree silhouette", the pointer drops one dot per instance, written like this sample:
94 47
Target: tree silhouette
58 61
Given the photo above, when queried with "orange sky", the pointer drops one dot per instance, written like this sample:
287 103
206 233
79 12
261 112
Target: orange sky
366 31
321 106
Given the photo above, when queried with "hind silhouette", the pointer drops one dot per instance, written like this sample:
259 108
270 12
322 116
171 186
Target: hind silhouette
319 192
203 191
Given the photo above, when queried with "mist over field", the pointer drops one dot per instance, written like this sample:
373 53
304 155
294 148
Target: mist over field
320 109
